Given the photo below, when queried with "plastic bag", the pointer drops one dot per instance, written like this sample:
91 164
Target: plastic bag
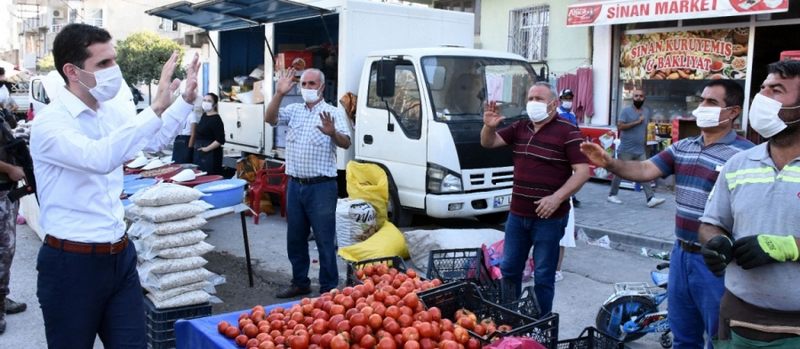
157 295
494 258
163 194
143 228
190 298
369 183
166 213
149 246
387 242
197 249
355 221
163 265
162 282
516 343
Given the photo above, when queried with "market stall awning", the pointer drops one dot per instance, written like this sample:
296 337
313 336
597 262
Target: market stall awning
234 14
634 11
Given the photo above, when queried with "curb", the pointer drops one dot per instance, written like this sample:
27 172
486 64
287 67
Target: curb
621 240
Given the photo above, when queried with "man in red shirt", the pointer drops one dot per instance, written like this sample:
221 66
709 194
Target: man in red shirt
548 168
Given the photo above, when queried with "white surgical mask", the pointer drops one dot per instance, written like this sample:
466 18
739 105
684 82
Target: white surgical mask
309 95
566 105
764 116
207 106
707 117
107 83
537 111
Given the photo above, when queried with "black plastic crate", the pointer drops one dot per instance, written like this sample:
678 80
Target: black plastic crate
392 262
463 264
527 304
591 338
171 314
153 335
165 344
454 296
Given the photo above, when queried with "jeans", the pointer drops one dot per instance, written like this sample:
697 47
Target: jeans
693 296
83 295
648 190
312 206
543 235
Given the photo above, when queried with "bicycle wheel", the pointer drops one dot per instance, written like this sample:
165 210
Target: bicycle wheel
612 316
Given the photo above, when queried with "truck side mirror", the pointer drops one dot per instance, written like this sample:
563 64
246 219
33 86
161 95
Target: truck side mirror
385 83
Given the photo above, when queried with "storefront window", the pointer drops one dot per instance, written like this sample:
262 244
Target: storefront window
672 68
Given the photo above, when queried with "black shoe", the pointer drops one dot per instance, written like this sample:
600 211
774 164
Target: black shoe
13 307
575 202
293 291
2 325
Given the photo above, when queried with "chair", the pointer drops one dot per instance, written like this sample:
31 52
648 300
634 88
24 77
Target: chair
262 184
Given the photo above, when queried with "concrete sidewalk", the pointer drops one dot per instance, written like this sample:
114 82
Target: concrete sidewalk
630 224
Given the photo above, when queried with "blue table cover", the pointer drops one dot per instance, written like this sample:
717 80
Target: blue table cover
201 333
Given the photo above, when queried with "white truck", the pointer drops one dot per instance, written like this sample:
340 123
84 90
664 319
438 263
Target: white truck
419 110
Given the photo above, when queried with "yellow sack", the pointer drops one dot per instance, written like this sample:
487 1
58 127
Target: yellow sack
387 242
369 183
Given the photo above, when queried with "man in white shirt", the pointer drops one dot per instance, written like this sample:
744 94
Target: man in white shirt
87 283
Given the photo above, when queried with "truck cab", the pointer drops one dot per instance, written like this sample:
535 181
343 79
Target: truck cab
424 129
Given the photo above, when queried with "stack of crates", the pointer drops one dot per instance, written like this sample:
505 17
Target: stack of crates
161 322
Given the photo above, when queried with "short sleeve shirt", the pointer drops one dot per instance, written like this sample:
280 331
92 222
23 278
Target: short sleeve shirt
753 197
632 140
309 152
542 162
696 168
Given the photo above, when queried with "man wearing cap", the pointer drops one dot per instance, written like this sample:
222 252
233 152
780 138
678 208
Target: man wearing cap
565 109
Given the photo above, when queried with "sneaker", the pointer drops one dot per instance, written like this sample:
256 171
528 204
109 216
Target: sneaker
13 307
559 276
614 199
653 202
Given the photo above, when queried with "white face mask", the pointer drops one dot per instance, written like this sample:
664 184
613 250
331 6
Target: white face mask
309 95
537 111
107 83
764 116
566 105
707 117
207 106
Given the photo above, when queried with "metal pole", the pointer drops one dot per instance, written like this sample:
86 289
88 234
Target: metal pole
246 248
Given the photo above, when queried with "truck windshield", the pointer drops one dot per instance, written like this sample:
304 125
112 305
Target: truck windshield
459 86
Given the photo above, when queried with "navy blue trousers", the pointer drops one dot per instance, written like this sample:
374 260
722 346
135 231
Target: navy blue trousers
84 295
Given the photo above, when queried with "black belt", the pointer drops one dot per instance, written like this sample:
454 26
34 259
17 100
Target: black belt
691 247
8 186
313 180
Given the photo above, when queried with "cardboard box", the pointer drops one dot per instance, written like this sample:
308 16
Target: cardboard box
258 95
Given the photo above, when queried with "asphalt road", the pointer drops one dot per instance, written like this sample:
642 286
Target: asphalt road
590 272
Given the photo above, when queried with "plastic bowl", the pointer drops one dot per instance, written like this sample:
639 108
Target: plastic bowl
130 177
223 193
131 187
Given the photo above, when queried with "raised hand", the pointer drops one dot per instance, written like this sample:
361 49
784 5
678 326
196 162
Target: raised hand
166 86
190 93
596 154
491 115
285 82
327 124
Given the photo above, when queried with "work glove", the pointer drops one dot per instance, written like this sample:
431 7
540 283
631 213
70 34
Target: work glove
757 250
717 253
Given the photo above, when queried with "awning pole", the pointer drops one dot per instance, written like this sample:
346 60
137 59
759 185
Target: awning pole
324 25
212 45
269 49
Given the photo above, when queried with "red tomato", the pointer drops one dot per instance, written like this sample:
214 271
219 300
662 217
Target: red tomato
436 313
339 342
222 326
461 335
358 319
299 342
343 326
405 320
252 343
387 343
266 345
375 321
412 345
448 344
358 332
241 340
231 332
410 334
250 330
368 341
337 309
425 329
473 344
427 343
325 341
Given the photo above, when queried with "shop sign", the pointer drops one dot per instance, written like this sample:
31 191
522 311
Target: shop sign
634 11
685 55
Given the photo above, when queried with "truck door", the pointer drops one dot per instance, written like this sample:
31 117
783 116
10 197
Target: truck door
390 131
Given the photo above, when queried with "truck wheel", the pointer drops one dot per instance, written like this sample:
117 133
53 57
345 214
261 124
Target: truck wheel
497 218
399 216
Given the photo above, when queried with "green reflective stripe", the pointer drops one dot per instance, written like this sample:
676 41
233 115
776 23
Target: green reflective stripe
785 178
794 169
760 170
743 181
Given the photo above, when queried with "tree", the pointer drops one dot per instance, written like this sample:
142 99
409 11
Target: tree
46 63
142 54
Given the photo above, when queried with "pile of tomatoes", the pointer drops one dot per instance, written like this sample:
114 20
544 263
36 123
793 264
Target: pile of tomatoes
383 312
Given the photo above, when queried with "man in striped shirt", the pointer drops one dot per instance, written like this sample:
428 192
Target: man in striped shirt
694 292
548 169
